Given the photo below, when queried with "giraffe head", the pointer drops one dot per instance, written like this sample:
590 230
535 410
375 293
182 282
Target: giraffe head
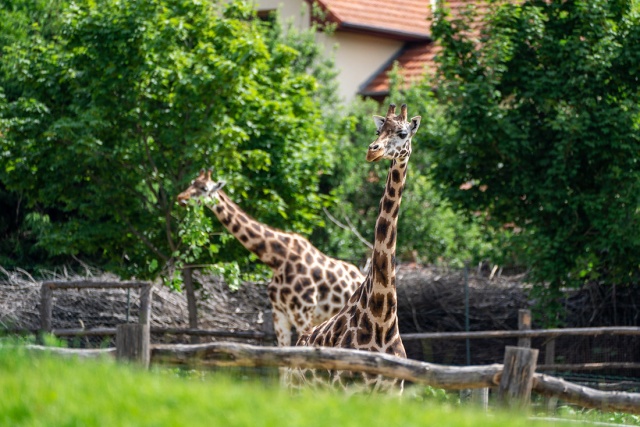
394 135
203 187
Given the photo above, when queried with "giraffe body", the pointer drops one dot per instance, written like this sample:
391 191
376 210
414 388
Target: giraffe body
307 286
369 319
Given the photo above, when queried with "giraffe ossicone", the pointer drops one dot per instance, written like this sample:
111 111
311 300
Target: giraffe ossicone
307 286
369 320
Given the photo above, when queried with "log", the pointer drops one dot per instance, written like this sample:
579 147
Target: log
132 343
596 366
74 352
615 401
447 377
234 354
517 377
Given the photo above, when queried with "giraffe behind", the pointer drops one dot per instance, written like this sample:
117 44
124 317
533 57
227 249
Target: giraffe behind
307 286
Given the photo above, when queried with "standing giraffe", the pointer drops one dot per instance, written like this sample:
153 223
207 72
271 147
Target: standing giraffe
307 286
369 319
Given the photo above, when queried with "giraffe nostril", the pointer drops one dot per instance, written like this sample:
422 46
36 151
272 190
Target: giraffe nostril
374 147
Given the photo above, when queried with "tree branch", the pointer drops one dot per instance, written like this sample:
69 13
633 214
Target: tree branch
144 240
349 227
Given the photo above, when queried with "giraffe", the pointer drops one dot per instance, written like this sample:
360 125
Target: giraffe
369 319
307 286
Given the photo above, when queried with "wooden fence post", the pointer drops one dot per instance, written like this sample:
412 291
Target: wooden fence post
514 390
480 397
550 359
133 343
267 324
524 324
144 316
46 308
192 305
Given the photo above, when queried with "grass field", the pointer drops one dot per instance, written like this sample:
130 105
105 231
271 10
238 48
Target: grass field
41 390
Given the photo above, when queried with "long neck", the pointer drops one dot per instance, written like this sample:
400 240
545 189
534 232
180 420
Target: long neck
382 293
250 233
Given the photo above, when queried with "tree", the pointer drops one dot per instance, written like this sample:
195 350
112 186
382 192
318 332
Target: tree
108 109
546 106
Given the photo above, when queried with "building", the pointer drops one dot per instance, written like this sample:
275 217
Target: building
369 36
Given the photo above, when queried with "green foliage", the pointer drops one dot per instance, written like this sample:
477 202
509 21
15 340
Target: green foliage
108 109
41 390
546 110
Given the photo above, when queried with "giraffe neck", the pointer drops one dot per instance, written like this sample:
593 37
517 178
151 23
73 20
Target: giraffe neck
253 235
381 294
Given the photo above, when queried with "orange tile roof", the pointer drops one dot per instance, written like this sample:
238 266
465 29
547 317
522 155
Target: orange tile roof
403 19
417 59
413 61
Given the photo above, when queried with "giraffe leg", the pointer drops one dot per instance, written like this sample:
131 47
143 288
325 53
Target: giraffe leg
282 327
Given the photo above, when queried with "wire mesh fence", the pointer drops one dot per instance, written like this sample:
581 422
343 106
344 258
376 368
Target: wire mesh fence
429 300
79 314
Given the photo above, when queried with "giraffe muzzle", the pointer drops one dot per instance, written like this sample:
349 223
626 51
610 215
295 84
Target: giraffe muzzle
183 200
375 153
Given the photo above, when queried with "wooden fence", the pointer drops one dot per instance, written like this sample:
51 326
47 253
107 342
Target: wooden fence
515 380
47 288
523 334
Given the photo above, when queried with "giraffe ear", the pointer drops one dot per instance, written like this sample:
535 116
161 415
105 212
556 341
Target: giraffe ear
219 185
379 121
415 124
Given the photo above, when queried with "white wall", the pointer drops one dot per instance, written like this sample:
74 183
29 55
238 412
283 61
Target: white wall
297 10
357 56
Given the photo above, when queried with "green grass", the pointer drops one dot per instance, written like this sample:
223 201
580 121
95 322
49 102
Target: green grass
41 390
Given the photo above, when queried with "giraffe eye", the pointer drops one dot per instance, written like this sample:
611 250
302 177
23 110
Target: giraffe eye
378 132
403 134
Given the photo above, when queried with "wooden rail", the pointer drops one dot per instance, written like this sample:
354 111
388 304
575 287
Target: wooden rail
548 364
548 333
514 380
527 333
217 333
440 376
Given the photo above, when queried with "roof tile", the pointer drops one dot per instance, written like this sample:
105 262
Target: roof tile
414 62
417 59
397 16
